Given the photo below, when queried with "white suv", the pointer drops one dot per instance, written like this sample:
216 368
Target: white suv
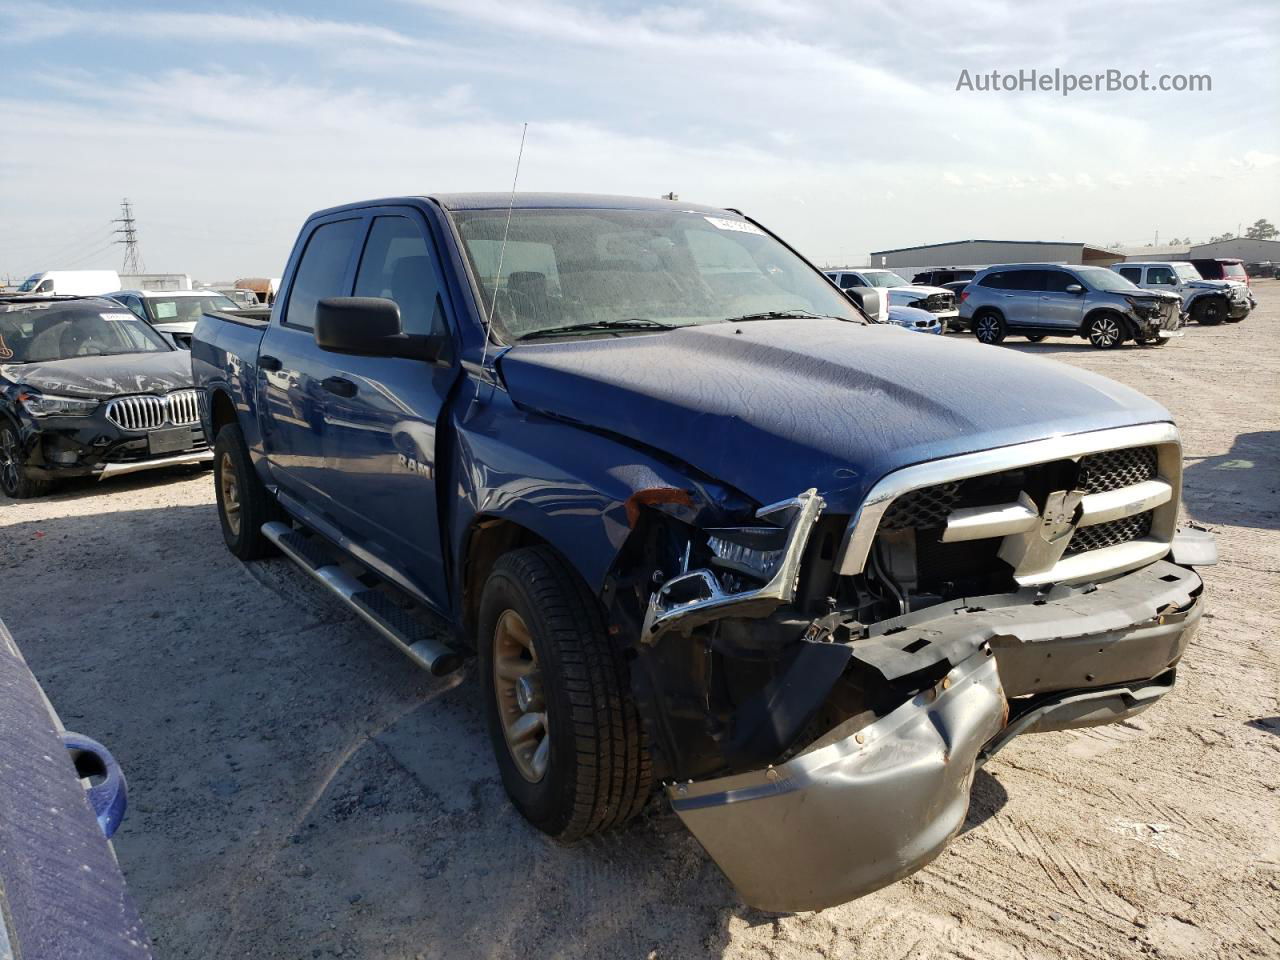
1205 301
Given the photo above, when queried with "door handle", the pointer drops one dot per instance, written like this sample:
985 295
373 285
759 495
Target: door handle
269 363
339 386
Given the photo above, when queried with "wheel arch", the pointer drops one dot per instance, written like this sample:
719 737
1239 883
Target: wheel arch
1126 324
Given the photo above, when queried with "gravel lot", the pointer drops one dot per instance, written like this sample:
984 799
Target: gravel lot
298 789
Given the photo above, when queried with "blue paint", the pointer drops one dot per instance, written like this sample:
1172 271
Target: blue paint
557 435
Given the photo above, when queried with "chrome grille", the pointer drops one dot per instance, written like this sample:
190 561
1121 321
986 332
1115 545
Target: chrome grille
149 412
1100 472
922 509
1109 534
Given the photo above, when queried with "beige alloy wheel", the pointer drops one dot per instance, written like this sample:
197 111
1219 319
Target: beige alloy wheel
230 494
517 683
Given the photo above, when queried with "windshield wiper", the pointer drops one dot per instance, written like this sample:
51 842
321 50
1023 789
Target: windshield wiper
632 323
796 314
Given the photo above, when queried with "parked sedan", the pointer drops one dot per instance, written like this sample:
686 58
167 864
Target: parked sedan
174 312
1042 300
916 320
89 389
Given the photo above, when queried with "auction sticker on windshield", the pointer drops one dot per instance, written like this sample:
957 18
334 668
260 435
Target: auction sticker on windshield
724 223
117 316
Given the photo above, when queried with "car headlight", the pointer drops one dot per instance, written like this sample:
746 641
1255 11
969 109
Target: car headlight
49 405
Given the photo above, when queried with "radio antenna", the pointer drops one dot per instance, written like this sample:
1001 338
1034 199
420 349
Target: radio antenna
502 250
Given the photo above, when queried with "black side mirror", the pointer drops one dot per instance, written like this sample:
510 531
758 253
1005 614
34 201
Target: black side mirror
867 299
370 327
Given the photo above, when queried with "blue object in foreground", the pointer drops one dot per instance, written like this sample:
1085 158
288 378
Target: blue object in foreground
62 895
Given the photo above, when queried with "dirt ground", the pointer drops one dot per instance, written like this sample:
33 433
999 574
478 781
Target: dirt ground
299 790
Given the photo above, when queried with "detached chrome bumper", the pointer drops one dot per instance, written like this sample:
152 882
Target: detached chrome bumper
870 803
854 813
118 469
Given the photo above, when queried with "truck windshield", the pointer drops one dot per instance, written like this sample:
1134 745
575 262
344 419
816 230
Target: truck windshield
38 335
29 284
884 278
586 268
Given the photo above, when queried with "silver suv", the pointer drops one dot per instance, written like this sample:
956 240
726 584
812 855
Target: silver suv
1041 300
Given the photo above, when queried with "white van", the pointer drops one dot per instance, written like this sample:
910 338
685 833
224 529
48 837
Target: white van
88 283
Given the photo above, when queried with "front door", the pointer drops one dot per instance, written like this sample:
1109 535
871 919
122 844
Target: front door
290 364
1059 310
380 413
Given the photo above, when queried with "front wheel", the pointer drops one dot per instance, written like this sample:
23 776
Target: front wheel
13 468
1209 311
244 503
989 328
565 731
1105 331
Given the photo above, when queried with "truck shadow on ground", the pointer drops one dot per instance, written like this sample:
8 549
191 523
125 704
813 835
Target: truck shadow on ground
297 788
1240 487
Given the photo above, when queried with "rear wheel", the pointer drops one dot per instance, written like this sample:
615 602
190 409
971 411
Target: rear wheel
1106 331
565 731
244 503
1209 311
989 327
13 468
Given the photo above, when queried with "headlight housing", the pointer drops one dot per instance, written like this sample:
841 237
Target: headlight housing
51 405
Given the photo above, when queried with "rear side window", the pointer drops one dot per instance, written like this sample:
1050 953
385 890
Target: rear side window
321 271
998 281
397 264
1132 274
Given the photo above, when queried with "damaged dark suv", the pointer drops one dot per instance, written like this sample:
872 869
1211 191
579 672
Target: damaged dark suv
703 526
88 389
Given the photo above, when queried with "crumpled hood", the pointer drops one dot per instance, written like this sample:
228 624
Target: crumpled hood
103 377
775 407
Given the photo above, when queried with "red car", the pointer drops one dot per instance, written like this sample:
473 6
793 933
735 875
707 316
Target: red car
1222 268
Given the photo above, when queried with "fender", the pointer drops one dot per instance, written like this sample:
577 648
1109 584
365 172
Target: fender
577 490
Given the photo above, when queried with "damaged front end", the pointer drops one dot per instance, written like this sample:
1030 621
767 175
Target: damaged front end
818 689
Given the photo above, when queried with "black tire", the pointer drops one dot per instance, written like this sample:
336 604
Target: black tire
1106 331
1209 311
989 327
599 774
1036 337
235 479
13 467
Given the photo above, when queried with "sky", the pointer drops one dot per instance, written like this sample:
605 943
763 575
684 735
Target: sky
838 125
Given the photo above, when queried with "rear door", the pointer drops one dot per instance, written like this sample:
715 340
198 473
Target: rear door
1021 297
381 413
1059 310
291 366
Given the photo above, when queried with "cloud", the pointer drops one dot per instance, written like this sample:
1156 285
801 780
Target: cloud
841 130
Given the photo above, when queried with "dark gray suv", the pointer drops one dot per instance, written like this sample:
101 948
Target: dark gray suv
1041 300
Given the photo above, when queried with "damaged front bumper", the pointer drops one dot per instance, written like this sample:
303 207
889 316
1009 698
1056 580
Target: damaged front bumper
877 798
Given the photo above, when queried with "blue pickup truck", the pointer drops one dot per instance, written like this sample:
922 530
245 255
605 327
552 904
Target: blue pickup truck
704 528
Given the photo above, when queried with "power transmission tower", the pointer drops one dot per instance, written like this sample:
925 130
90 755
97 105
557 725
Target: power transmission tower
132 262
